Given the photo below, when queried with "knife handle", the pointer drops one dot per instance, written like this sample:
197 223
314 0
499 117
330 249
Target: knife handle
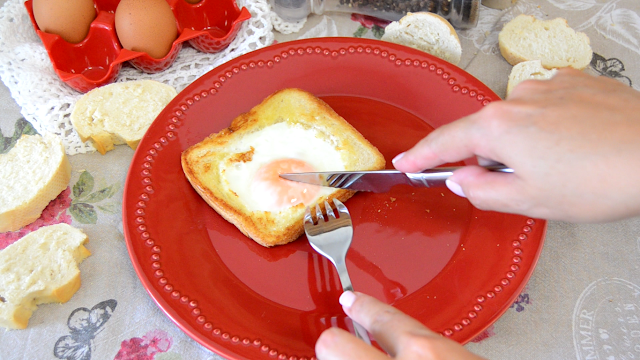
437 176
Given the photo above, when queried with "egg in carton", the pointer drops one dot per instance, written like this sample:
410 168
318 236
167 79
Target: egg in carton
207 25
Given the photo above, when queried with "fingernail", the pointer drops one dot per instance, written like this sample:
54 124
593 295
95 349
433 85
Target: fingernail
347 298
398 157
455 188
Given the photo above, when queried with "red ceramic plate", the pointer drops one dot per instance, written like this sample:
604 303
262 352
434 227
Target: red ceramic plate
426 251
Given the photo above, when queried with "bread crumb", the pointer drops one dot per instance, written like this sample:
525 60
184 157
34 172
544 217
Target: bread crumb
393 199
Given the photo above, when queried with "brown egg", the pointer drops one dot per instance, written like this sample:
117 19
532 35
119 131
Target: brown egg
147 26
71 19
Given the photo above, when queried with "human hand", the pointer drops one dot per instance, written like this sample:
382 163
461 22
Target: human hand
401 336
573 142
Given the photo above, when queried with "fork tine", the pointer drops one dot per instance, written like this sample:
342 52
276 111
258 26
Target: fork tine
343 181
319 216
308 219
329 211
339 181
344 212
333 180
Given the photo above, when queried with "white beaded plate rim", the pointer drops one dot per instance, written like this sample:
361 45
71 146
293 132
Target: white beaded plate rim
204 323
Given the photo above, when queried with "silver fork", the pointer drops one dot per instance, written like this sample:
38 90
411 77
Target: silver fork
332 239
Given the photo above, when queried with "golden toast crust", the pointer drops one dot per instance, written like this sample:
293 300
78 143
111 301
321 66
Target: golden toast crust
201 162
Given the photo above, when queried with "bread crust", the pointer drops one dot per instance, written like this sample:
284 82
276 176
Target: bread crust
201 162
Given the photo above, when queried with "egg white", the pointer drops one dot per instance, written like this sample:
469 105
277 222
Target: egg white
278 141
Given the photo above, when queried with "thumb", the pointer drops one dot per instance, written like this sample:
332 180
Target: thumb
488 190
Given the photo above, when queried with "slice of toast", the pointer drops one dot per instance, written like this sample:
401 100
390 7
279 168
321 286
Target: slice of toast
41 267
290 123
119 113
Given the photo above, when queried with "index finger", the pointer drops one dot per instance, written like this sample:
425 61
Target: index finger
388 325
448 143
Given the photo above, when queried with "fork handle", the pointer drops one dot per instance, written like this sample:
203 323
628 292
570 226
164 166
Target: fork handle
360 332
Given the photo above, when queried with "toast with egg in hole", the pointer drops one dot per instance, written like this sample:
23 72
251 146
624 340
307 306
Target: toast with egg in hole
236 171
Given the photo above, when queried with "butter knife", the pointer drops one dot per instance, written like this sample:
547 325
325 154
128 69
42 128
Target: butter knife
381 180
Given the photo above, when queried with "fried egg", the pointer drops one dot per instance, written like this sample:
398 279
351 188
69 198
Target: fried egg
252 169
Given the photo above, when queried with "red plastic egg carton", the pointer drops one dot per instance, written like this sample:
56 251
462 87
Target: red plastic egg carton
209 26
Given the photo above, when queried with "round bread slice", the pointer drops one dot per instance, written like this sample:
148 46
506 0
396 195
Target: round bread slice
119 113
552 42
41 267
34 172
528 70
427 32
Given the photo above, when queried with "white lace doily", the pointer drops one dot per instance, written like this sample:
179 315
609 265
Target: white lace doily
46 102
285 27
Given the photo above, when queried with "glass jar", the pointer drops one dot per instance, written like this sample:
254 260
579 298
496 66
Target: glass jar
462 14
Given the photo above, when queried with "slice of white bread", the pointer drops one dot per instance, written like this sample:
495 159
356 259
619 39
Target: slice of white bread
305 128
41 267
34 172
552 42
526 70
119 113
428 32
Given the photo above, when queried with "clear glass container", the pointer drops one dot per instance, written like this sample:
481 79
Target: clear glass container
462 14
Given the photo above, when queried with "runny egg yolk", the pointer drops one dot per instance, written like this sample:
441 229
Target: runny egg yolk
277 193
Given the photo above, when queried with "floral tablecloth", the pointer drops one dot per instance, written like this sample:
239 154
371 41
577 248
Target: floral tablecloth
583 300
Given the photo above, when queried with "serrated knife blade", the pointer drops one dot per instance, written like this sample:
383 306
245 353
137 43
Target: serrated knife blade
380 180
